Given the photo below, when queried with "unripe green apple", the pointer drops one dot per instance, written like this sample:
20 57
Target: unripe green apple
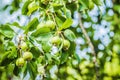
66 44
41 25
24 46
50 24
27 56
56 40
20 62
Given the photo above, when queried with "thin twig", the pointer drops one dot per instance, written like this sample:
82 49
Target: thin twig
91 46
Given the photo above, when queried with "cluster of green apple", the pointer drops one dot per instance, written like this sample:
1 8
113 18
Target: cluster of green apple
56 40
27 56
48 24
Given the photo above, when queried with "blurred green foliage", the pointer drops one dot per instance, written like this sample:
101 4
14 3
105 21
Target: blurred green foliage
52 62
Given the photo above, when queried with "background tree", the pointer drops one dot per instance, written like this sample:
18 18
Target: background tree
59 39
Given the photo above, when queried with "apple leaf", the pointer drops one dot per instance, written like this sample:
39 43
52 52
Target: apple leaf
69 35
66 24
32 25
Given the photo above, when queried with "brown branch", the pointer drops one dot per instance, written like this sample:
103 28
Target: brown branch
91 46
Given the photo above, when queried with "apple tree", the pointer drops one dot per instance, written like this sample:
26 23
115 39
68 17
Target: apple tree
45 39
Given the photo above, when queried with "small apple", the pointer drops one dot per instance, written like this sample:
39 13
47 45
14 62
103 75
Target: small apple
56 40
66 44
41 25
20 62
24 46
27 56
50 24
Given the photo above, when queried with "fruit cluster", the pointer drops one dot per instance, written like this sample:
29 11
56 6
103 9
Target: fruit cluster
56 40
27 56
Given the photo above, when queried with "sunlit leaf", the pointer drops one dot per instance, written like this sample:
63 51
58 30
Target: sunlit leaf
69 34
7 31
31 25
66 24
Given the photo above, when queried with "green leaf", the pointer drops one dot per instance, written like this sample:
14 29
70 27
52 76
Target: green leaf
66 24
64 57
72 48
57 6
24 70
13 53
32 70
4 56
7 31
77 57
59 21
9 45
1 44
25 7
91 4
14 24
32 7
43 37
41 31
84 5
60 18
2 68
68 13
32 25
97 2
72 6
3 76
46 46
56 60
35 51
33 67
117 8
10 69
48 57
69 35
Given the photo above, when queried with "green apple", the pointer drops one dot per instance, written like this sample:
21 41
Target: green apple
24 46
56 40
66 44
41 25
50 24
20 62
27 56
